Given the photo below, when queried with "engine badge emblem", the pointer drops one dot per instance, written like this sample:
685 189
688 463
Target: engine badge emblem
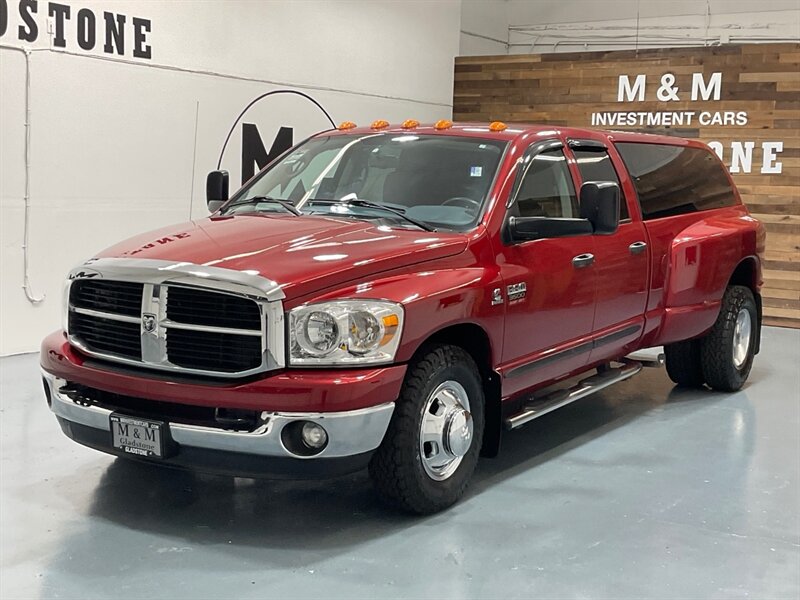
516 291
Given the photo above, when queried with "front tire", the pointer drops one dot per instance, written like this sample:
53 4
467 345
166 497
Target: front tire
727 350
432 444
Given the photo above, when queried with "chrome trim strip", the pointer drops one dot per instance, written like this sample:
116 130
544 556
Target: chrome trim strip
156 277
154 342
209 328
146 270
573 350
349 432
104 315
168 366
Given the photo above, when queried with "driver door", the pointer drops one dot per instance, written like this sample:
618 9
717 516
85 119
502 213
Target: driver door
549 283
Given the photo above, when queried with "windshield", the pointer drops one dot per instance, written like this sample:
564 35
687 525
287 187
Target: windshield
434 180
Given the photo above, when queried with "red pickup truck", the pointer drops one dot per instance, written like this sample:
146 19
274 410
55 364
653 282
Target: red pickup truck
397 296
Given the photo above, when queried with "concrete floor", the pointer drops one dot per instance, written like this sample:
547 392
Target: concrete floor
644 491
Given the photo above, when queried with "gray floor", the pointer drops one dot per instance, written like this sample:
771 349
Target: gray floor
642 491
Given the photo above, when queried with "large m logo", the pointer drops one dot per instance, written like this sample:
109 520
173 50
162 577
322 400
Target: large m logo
254 155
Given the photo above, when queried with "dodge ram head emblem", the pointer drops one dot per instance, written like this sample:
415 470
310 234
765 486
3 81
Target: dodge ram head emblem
149 322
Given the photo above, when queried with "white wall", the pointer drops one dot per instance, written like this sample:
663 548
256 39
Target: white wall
112 138
543 26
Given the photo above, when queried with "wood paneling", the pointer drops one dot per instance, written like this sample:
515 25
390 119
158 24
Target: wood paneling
761 79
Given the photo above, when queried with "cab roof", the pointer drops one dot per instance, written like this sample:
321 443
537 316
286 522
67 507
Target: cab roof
513 131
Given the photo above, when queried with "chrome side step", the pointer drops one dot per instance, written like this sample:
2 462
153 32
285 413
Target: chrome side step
649 357
583 388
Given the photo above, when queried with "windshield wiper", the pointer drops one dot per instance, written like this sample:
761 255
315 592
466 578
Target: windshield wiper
375 205
267 199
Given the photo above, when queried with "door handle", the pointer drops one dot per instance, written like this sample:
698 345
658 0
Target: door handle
582 260
637 247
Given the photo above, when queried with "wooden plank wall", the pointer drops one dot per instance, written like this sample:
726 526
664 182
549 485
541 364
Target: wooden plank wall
762 80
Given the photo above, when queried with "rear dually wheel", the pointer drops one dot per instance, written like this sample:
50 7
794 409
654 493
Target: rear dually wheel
727 351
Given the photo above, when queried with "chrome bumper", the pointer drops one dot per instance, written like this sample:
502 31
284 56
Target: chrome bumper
350 433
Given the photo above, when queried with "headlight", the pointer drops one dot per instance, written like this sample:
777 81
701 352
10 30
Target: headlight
345 332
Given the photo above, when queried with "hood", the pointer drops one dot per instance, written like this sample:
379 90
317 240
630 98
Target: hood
302 254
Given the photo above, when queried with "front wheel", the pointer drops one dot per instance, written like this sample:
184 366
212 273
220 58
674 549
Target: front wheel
431 447
727 351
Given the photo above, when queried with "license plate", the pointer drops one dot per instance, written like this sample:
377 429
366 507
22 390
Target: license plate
138 437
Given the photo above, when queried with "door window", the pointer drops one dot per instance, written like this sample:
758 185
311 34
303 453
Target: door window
546 189
675 180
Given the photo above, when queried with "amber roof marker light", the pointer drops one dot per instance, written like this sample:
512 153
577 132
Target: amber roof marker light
380 124
497 126
443 124
344 126
410 124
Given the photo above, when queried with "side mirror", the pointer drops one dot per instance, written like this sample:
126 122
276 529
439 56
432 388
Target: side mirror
216 189
535 228
600 205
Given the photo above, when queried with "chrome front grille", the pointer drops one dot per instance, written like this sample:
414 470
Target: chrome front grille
177 316
107 335
213 351
201 307
118 297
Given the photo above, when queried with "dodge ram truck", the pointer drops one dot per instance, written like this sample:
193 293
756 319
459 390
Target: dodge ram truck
396 296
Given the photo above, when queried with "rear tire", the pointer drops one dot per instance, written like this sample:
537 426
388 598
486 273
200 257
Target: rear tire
727 350
432 444
683 363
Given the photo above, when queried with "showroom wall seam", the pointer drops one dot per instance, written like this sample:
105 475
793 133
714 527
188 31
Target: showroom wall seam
232 76
484 37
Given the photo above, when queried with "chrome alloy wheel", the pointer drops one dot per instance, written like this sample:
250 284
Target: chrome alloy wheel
742 332
445 431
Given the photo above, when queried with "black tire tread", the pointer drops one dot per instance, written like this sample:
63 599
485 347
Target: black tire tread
683 363
715 350
392 467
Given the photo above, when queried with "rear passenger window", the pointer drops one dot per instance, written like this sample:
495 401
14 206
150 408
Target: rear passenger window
546 189
595 165
674 180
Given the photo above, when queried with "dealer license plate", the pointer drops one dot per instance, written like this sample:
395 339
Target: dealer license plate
138 437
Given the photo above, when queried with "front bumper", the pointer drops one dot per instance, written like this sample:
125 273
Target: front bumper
292 390
353 436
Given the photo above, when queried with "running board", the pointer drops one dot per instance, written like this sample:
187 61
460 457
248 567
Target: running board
649 357
583 388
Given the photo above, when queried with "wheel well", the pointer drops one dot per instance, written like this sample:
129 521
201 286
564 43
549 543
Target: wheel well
745 274
475 341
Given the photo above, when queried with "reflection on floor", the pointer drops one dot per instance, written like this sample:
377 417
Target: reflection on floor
644 490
